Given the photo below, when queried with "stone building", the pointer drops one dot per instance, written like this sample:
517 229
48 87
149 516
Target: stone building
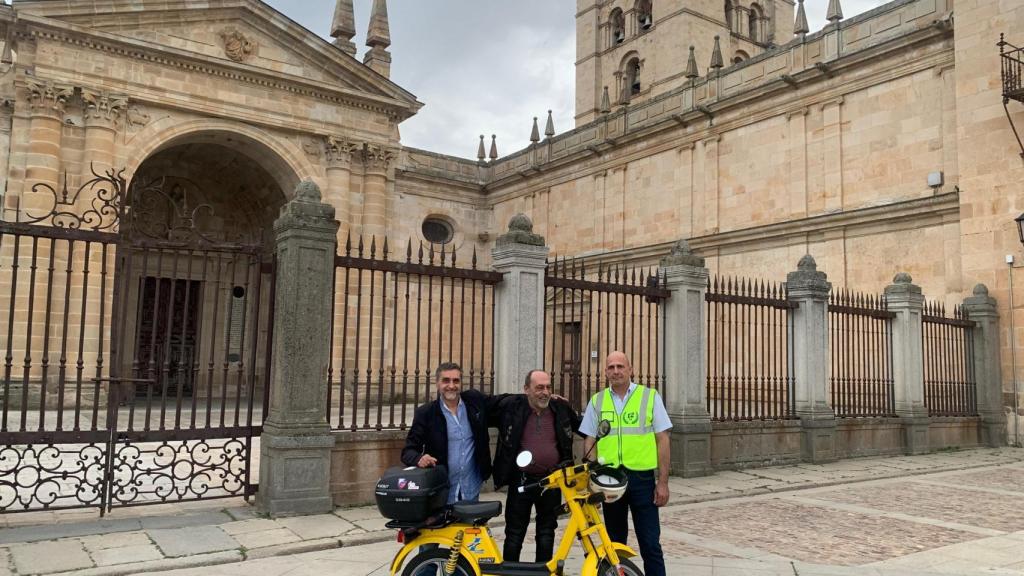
877 144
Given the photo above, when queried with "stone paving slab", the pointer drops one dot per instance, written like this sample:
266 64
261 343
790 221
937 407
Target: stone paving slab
47 557
223 531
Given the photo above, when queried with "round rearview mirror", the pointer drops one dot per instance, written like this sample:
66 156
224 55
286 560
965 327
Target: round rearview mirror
524 459
604 428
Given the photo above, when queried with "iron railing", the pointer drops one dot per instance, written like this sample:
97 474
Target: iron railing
1011 59
750 369
593 310
860 350
396 321
950 388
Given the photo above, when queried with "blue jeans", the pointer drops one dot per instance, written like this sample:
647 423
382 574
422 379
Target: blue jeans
638 499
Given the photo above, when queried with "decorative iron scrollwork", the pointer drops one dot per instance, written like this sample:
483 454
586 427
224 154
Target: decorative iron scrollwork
179 470
96 205
158 214
51 476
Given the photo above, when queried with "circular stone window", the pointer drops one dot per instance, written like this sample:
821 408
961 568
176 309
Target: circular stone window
437 231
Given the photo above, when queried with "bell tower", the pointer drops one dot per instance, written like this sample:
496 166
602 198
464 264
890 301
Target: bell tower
638 49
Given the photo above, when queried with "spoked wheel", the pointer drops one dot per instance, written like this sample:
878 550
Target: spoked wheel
431 563
604 568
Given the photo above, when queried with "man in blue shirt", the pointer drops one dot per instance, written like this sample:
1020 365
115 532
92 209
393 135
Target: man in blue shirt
452 431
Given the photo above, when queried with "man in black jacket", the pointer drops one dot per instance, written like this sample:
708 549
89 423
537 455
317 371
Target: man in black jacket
452 431
536 422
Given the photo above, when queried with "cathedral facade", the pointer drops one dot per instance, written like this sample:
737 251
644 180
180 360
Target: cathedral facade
878 144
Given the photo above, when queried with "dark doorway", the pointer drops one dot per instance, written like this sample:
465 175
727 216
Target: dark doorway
571 361
167 335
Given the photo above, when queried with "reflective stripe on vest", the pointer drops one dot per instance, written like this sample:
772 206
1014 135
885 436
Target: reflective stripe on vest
630 444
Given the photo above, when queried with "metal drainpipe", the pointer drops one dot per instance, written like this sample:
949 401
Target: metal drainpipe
1013 361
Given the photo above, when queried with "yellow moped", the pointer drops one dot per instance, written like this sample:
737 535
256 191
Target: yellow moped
463 546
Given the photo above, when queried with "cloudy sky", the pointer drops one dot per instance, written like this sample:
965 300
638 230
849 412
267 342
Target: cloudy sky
484 66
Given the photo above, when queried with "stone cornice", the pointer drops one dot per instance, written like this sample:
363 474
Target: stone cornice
34 27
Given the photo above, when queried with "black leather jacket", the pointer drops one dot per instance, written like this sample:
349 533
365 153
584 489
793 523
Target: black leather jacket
509 417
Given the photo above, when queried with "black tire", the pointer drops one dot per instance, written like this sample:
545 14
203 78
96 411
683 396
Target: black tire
431 563
628 569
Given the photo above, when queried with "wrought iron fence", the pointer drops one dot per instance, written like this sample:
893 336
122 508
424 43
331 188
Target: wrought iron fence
750 368
860 353
950 387
396 321
1011 60
593 310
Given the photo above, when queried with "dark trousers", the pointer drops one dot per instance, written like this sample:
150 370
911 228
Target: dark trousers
517 519
638 499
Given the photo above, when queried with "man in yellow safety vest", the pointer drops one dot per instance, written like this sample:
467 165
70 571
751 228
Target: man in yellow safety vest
638 443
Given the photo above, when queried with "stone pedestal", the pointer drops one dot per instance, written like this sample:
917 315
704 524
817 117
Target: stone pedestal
686 361
809 289
521 257
905 300
295 451
981 308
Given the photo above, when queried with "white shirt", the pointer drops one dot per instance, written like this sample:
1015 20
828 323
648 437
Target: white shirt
590 418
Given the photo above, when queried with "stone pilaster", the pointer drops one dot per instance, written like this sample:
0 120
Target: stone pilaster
339 175
809 289
685 363
296 443
375 185
905 300
103 114
47 103
981 308
521 257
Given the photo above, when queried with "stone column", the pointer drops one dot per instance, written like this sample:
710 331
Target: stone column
686 342
6 121
42 165
375 186
339 175
521 257
295 449
102 118
906 301
981 308
809 289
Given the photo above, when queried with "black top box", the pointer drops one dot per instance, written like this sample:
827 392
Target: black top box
411 494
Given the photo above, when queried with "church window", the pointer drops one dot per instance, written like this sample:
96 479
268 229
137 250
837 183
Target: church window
633 76
755 18
740 57
618 26
437 231
644 15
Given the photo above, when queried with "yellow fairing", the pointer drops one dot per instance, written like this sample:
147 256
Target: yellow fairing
443 541
590 562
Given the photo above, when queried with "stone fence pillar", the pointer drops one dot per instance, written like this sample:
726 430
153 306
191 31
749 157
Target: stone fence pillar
295 450
686 342
809 289
904 298
521 257
981 308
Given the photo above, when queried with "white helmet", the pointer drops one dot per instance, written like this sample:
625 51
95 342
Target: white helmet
611 482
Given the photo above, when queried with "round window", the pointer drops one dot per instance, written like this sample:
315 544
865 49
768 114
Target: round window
437 231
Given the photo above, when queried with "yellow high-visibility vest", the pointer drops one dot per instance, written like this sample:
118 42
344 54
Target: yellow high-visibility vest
632 441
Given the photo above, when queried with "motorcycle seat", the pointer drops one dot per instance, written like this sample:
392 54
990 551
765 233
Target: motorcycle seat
476 512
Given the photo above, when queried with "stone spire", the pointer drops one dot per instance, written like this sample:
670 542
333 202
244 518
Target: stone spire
343 27
494 148
835 12
549 128
691 65
800 27
606 102
481 152
716 56
378 39
535 133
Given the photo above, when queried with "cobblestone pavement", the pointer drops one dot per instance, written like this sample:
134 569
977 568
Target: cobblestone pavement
944 513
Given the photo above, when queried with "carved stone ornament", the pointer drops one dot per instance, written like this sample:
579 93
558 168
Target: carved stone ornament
682 255
520 231
45 96
137 116
340 151
378 158
104 107
237 46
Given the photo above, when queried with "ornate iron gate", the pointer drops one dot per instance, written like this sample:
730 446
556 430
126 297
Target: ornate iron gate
136 350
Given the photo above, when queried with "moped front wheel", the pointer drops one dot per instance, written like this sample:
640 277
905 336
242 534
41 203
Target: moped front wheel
432 562
604 568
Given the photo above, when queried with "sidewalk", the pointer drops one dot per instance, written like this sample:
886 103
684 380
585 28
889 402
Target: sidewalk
196 534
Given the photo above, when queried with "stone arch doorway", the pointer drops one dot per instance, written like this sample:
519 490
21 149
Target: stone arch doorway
196 275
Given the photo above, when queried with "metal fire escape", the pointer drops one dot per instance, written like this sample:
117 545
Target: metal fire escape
1012 64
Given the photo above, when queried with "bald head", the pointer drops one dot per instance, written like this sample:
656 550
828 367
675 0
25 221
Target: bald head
618 370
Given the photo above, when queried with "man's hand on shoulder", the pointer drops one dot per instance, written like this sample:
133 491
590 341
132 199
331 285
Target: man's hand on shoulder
427 461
